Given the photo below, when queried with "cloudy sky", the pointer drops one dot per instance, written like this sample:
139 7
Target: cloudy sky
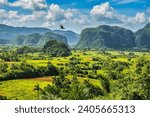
75 14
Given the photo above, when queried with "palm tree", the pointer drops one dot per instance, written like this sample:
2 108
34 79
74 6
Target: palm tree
78 92
38 89
49 93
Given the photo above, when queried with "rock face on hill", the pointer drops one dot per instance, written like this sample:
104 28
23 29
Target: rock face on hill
106 37
143 37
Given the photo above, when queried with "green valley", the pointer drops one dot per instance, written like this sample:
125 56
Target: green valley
87 74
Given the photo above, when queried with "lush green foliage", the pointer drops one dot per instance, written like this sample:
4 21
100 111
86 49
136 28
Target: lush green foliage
66 89
25 70
82 75
56 49
113 37
106 37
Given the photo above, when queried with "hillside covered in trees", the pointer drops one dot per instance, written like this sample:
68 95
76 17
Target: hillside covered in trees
56 49
142 39
101 37
37 40
114 37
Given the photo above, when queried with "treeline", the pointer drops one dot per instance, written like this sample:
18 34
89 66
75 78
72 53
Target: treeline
16 54
25 70
52 48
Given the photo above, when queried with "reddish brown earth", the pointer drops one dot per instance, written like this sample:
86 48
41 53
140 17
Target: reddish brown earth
1 94
48 79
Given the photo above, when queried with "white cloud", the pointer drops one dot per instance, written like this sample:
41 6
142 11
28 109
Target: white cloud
102 9
26 4
9 17
8 14
72 18
140 17
59 15
55 13
15 19
127 1
3 2
36 16
104 12
51 18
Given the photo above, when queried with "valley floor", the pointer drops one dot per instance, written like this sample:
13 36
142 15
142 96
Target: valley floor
96 67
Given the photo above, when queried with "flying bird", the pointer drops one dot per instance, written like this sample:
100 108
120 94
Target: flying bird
62 27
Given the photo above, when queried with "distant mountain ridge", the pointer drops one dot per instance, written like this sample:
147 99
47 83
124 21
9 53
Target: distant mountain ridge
38 40
9 33
104 36
72 37
114 37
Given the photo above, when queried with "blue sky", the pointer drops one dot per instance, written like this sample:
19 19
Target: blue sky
75 14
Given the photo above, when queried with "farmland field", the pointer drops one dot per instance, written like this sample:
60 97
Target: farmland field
109 74
21 89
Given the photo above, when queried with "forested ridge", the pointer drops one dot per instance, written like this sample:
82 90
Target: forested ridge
114 37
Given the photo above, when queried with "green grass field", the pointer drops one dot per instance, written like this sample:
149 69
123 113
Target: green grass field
22 89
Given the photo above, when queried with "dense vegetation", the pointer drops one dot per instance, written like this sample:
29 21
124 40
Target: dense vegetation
106 36
81 75
25 70
114 37
56 49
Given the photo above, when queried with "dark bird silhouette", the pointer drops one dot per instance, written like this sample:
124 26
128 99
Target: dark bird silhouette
62 27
